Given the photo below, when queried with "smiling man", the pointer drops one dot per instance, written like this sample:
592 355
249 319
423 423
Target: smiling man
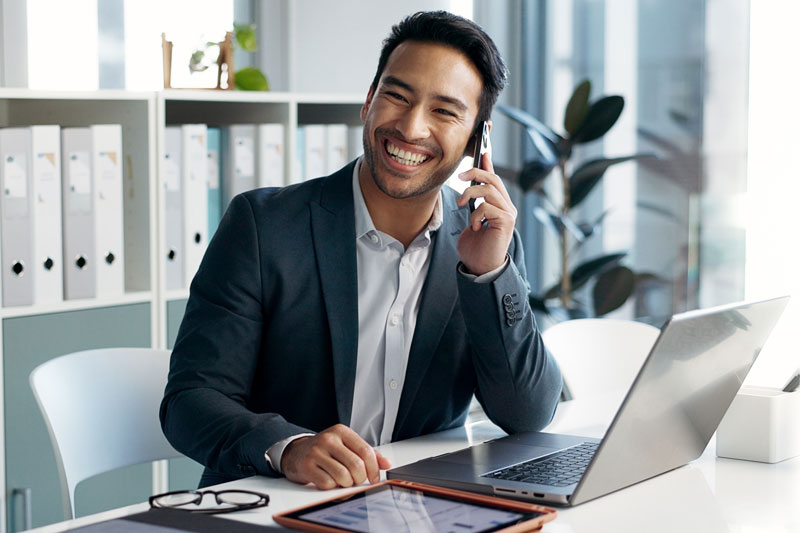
370 305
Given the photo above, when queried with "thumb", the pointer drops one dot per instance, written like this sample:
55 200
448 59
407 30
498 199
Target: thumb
383 462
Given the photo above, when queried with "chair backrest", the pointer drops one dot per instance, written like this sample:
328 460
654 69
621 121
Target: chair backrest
101 410
599 355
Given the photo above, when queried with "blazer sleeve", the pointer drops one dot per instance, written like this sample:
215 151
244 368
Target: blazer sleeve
518 381
204 413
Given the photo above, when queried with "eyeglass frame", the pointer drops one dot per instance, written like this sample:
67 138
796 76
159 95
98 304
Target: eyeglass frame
200 494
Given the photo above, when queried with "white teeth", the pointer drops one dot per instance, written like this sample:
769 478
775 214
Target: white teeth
403 157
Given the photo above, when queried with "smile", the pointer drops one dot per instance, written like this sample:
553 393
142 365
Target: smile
405 157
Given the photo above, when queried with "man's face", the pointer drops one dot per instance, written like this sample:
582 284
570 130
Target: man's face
418 120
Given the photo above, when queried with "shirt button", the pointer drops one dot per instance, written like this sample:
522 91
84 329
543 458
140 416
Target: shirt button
404 262
373 238
393 385
395 320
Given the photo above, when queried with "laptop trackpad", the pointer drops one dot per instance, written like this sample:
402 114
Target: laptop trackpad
496 454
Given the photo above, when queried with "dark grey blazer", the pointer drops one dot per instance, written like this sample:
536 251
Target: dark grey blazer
267 347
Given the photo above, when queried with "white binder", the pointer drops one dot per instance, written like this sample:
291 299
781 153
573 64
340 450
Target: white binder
16 226
109 233
80 265
335 147
314 146
173 200
355 142
270 155
238 161
194 185
48 251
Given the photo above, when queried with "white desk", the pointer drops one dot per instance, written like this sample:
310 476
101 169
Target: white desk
709 495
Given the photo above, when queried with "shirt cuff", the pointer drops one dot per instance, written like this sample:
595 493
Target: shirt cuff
484 278
274 454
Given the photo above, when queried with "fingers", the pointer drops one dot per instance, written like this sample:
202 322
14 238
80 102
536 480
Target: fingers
383 462
496 217
335 457
490 188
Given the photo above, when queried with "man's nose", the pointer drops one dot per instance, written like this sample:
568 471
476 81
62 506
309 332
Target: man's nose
414 124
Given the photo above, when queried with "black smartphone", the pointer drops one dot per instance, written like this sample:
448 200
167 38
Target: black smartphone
481 147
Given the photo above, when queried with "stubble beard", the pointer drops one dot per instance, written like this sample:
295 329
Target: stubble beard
433 181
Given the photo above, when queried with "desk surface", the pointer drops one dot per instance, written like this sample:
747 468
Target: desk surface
709 495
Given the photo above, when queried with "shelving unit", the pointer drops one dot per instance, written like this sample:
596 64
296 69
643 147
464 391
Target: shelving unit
148 314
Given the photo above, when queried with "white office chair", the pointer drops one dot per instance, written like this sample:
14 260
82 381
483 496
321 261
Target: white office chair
101 410
599 356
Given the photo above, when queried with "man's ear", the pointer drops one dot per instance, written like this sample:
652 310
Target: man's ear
367 103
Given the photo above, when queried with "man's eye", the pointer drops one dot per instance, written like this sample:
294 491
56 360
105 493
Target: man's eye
445 112
396 96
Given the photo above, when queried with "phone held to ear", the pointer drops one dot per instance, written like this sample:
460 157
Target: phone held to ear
481 147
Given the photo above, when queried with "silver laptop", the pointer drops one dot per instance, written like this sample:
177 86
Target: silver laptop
676 402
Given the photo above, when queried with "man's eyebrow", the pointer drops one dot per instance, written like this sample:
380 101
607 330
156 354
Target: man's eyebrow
392 80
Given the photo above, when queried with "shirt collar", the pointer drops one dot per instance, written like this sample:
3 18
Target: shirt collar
364 224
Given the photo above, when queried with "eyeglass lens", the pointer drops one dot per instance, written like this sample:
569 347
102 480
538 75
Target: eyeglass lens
233 498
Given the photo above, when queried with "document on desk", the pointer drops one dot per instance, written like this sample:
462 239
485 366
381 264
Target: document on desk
174 521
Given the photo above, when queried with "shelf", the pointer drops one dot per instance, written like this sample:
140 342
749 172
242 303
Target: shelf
213 95
75 305
108 94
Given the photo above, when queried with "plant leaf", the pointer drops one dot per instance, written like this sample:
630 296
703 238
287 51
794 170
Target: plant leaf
612 289
556 223
602 114
577 107
250 79
245 36
533 174
589 174
585 271
538 304
588 228
545 140
547 219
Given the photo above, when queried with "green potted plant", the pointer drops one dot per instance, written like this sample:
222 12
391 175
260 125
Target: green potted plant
585 121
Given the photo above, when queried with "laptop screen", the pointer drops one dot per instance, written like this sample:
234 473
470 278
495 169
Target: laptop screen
680 395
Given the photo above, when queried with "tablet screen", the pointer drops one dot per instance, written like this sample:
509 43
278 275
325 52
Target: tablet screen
391 509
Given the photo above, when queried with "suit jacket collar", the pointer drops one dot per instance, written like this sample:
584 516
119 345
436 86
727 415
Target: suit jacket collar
439 296
333 230
333 233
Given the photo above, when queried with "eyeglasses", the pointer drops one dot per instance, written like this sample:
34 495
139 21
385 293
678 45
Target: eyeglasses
227 501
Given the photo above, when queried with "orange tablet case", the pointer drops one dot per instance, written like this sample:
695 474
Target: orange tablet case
466 497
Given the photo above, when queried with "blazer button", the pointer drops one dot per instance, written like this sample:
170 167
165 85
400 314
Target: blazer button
511 321
507 300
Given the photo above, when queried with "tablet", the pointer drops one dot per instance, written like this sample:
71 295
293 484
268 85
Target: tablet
397 505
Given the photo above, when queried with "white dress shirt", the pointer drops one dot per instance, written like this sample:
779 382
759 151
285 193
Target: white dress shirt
390 280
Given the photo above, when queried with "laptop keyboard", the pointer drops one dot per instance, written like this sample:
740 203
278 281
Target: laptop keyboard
559 469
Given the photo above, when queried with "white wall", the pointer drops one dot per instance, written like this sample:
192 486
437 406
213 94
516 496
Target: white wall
773 181
334 46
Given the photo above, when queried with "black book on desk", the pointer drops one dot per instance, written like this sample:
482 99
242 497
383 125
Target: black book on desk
174 521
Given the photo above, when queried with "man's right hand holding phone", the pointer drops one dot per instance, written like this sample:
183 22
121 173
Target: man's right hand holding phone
335 457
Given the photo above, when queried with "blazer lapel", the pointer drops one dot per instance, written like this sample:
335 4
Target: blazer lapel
439 296
333 230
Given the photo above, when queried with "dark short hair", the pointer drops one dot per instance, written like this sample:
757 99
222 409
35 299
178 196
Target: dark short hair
457 32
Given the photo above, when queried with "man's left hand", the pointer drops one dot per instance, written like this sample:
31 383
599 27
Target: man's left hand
483 245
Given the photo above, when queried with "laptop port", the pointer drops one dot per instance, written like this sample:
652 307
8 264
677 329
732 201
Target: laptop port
539 494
